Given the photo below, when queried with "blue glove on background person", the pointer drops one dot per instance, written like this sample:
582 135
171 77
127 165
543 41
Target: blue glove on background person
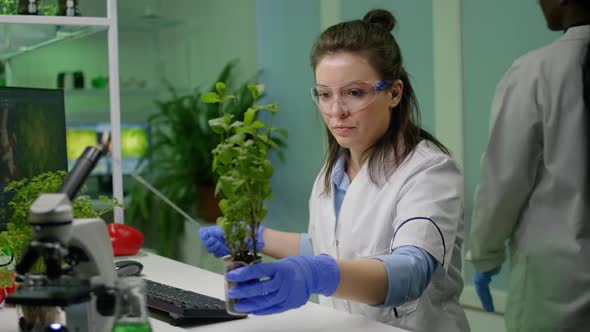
213 239
482 287
288 283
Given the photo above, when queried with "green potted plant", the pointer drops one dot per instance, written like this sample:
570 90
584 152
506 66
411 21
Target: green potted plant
178 163
241 163
8 7
18 233
18 229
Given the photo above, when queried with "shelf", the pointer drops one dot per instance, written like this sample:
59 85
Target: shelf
55 20
20 34
48 30
17 39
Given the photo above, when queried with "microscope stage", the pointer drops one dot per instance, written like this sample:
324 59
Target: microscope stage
50 295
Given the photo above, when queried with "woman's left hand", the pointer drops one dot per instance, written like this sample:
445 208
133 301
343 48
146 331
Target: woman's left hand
288 283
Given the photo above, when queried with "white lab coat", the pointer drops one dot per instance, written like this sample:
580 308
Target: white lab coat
533 190
427 184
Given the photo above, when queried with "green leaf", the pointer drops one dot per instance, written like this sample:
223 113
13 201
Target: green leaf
263 137
237 124
227 118
225 225
267 169
218 125
228 98
272 144
281 131
211 98
236 184
220 87
224 206
226 155
254 90
249 116
218 188
273 108
257 125
214 164
237 139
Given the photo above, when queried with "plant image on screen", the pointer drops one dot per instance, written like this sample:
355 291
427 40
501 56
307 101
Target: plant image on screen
134 142
77 140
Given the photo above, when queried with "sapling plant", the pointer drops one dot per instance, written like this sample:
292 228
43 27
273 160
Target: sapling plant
243 169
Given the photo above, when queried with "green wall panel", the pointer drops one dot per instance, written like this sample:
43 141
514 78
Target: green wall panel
285 32
414 36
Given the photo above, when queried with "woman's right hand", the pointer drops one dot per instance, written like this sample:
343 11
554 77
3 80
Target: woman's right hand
212 238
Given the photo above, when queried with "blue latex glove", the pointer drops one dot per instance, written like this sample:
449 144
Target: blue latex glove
288 283
482 288
213 239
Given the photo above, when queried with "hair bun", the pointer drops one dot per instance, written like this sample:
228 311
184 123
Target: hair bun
382 18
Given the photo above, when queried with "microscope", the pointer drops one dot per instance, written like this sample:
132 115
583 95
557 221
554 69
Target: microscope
79 272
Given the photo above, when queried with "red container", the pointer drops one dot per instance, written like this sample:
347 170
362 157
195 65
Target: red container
126 240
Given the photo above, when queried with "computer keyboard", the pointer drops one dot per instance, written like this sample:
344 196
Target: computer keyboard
183 304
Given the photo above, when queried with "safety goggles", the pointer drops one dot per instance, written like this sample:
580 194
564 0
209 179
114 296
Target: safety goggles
350 97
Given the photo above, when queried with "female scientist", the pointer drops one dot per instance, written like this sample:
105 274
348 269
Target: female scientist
534 187
385 226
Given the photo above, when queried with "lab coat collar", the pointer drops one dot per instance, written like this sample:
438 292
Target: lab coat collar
576 32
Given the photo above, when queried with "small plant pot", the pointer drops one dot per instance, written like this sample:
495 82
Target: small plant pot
228 265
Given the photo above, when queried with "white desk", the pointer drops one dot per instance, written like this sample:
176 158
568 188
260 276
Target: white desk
310 317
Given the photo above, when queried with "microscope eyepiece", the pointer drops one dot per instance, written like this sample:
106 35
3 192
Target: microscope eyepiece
82 169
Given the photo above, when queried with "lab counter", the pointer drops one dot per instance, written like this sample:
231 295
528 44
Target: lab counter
310 317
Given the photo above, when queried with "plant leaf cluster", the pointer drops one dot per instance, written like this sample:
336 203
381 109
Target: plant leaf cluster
178 161
18 229
241 162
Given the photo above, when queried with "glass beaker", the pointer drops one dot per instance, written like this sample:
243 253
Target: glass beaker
131 307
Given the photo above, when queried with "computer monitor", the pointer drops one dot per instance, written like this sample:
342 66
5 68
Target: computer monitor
32 136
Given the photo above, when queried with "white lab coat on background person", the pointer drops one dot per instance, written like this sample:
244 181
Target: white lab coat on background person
533 189
420 205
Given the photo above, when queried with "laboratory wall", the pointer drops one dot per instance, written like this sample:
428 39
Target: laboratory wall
285 32
202 37
414 34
